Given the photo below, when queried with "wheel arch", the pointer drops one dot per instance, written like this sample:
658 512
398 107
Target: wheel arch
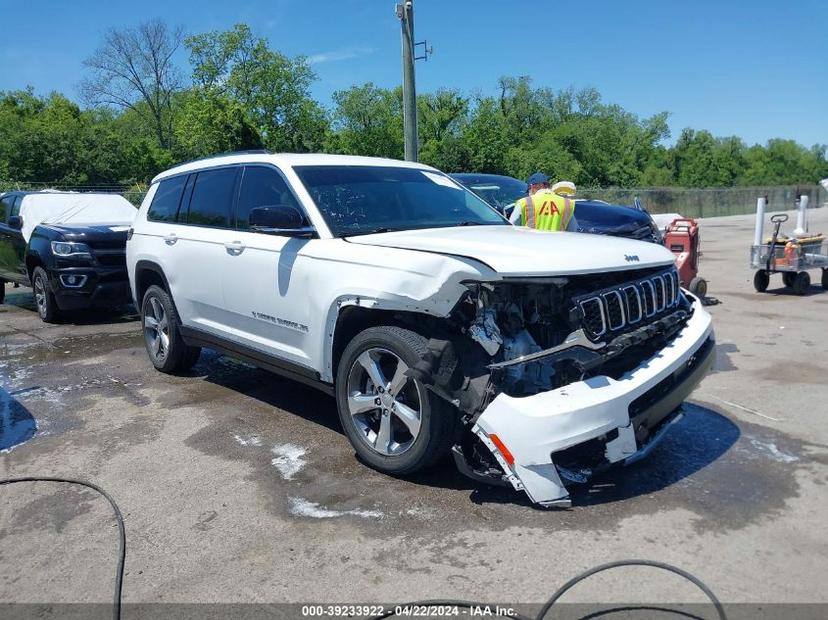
148 273
351 319
32 262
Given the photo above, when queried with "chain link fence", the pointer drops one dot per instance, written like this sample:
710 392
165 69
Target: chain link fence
134 193
711 202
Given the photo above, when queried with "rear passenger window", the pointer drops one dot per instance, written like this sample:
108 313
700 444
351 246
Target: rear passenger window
212 200
164 205
262 187
5 207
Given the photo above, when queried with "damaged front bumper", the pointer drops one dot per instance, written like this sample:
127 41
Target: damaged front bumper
624 417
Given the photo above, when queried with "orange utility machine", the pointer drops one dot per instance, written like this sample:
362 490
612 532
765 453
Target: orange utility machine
682 239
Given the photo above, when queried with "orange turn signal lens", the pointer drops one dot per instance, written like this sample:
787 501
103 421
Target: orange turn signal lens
504 451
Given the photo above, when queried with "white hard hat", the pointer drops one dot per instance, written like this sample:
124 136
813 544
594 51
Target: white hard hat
564 188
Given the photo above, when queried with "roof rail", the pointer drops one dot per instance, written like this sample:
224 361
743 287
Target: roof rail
226 154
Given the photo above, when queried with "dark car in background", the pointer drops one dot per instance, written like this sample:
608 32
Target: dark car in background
593 216
69 247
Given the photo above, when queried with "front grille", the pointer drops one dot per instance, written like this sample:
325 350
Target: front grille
114 243
111 258
619 308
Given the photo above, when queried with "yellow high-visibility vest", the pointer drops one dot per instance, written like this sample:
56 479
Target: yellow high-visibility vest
546 210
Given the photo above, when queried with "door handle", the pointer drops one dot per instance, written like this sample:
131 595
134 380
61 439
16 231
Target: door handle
170 239
234 247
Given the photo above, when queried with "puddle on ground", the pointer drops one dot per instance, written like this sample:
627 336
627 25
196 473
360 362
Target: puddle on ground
17 425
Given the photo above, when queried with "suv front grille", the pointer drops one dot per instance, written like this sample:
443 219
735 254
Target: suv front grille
614 310
110 258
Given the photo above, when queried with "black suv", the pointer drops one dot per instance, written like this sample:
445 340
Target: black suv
71 264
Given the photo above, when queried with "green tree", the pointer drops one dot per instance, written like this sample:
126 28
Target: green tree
441 118
367 120
211 123
484 138
272 89
135 66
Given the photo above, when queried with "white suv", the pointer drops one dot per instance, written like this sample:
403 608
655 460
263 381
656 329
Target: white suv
535 358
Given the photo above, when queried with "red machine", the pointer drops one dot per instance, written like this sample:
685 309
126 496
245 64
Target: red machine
682 239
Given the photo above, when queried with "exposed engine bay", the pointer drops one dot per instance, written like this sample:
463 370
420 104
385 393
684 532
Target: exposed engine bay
523 337
535 335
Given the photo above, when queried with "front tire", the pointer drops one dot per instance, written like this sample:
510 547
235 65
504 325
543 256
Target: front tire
761 279
393 422
47 307
162 337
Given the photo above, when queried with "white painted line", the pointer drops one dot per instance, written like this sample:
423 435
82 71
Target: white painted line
748 409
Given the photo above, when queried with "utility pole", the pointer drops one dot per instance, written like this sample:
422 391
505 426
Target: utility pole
405 11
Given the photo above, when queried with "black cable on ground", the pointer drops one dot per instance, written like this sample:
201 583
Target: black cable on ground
660 565
571 583
119 571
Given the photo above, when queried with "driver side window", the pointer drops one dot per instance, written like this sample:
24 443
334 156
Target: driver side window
262 186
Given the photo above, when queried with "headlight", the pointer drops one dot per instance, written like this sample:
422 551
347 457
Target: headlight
69 248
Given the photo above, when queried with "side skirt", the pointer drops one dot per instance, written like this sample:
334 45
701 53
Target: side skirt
199 338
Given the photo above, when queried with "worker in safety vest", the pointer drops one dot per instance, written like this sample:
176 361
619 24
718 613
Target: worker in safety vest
544 208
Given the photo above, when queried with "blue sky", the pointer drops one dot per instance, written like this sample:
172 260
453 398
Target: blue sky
754 69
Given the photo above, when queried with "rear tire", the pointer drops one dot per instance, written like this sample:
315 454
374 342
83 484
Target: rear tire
162 337
825 279
802 283
400 427
761 279
789 277
47 307
2 291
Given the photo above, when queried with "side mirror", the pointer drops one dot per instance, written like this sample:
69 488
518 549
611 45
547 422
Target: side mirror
16 222
280 220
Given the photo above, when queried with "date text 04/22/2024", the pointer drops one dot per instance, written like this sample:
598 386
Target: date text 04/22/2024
417 611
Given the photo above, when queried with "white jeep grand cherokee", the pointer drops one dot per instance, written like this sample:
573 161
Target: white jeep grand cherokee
535 358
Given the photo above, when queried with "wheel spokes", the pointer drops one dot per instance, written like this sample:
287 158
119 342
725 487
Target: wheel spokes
361 403
372 368
157 309
164 339
399 380
155 344
386 414
408 416
383 440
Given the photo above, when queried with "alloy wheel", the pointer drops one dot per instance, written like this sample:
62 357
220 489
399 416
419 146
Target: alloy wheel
40 296
156 329
385 404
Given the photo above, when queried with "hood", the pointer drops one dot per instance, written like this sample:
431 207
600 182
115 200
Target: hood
74 210
94 234
617 220
513 251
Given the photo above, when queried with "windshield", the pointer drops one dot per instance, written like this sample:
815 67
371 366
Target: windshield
498 192
359 200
